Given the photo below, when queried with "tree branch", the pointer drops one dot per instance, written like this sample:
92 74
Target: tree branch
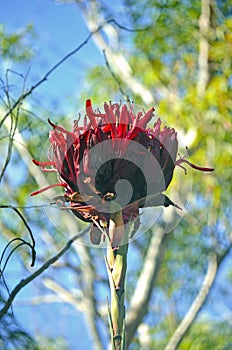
141 297
38 272
118 82
213 264
32 246
89 300
118 62
203 58
65 295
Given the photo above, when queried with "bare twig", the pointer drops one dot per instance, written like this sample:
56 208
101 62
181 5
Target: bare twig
61 61
22 218
32 246
125 96
141 297
13 123
38 272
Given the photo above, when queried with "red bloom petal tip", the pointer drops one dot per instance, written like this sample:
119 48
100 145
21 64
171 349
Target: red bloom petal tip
52 124
36 162
34 193
88 103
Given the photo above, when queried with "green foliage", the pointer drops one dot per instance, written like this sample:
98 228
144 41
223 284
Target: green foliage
15 46
208 335
99 91
51 344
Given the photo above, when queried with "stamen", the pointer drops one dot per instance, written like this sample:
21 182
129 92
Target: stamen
185 170
182 160
47 188
147 117
62 129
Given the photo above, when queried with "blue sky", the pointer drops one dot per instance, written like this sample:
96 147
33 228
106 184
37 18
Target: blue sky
59 29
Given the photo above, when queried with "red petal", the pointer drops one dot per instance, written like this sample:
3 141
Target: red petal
90 113
36 162
147 117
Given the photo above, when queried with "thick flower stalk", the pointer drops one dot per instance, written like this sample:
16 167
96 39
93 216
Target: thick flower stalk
109 168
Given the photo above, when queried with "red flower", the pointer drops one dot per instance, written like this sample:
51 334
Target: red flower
113 157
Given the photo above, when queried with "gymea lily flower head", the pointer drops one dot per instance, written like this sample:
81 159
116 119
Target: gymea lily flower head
113 162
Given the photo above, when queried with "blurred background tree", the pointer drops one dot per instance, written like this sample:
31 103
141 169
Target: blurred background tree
176 55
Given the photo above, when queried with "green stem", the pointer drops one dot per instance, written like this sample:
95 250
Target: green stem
116 265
